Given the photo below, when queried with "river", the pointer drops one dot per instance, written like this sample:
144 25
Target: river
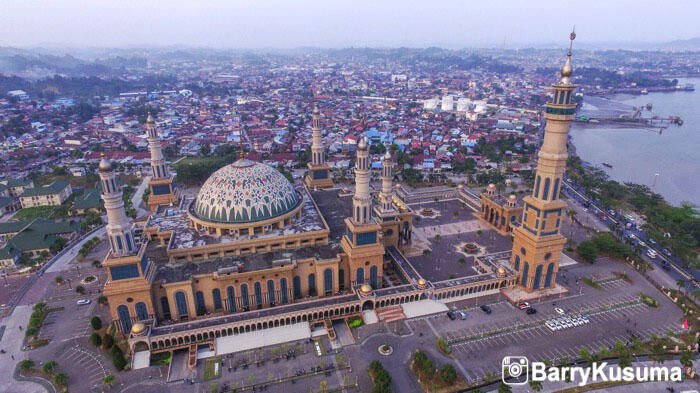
638 154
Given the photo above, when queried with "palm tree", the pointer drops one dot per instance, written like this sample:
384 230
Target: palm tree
681 285
571 213
535 385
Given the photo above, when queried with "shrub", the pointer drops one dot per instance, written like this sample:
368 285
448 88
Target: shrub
60 379
96 323
355 322
95 339
58 280
382 379
49 367
108 341
26 364
80 289
102 299
448 374
424 363
117 358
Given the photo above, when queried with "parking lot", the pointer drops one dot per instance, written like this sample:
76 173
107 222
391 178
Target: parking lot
83 366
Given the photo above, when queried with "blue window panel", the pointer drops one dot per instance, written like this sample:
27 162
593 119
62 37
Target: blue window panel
165 306
144 264
341 279
128 242
538 277
366 238
283 291
119 243
216 295
544 223
181 303
517 263
537 186
270 291
258 294
555 191
245 297
296 283
201 307
124 272
320 174
312 284
548 276
545 192
124 318
158 171
360 276
141 311
231 295
328 281
349 234
526 269
161 189
373 277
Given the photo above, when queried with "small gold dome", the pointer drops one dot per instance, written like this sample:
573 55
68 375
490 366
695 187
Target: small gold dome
501 271
365 288
461 186
491 185
512 197
566 70
362 144
149 118
422 281
105 165
138 328
316 111
387 156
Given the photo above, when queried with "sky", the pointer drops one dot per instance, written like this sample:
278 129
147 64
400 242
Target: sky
335 23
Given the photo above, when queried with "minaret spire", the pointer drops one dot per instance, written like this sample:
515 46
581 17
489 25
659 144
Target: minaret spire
319 172
362 200
161 184
119 227
387 187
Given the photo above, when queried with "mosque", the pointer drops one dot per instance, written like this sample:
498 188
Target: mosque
253 252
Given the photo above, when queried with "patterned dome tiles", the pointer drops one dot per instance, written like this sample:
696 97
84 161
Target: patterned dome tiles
245 192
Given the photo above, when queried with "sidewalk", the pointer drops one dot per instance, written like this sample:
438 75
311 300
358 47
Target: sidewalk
12 343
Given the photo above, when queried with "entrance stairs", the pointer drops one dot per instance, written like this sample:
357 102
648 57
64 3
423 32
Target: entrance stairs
391 314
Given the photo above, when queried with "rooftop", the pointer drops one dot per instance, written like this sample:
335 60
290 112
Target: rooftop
334 209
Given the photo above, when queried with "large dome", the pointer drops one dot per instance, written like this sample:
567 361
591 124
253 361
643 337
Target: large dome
245 192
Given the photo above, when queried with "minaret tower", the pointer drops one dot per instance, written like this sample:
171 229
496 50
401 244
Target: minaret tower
128 285
538 243
387 214
319 171
161 183
361 241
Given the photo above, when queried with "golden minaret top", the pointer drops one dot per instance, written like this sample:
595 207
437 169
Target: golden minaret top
566 69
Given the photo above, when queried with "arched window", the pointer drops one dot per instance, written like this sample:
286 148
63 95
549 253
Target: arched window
537 186
124 318
545 191
328 281
517 263
341 279
360 279
258 294
538 277
312 284
548 276
231 298
181 303
284 290
245 297
165 307
201 308
526 270
373 277
216 295
141 311
296 283
555 190
270 291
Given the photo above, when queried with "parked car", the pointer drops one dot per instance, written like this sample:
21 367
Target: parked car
83 301
523 305
531 311
666 251
651 253
451 314
559 311
485 309
462 315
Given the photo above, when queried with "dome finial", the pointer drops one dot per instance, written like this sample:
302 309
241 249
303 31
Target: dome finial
567 69
149 118
242 152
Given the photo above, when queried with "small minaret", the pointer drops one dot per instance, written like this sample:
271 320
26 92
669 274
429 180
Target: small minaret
161 184
120 230
319 171
538 243
362 200
362 243
387 188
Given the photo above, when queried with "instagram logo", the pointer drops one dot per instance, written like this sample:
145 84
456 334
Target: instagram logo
514 366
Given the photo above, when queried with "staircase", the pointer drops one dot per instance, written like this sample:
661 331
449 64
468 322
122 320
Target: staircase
391 314
192 357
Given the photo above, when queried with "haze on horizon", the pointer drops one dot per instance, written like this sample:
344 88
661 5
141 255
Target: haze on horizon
359 23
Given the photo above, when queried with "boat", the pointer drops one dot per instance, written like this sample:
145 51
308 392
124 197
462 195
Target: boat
644 91
605 164
649 106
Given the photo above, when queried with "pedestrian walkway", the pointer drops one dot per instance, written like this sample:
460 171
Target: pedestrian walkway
11 342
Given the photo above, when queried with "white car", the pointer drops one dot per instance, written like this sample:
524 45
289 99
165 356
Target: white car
559 311
83 301
651 254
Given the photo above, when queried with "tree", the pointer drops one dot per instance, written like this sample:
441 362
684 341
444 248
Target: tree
587 250
95 339
49 367
60 379
96 323
26 364
59 280
503 388
102 300
205 150
323 386
571 213
107 341
108 380
535 385
681 284
80 289
448 374
57 245
117 358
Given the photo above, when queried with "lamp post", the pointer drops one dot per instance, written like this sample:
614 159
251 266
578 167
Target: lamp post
69 286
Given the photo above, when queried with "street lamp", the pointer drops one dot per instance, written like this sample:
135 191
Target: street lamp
69 287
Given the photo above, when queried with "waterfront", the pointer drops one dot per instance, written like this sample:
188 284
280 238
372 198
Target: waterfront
637 154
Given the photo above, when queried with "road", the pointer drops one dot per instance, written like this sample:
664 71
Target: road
137 198
62 262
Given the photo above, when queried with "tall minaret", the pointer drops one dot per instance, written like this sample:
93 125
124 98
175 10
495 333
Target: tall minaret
120 230
537 243
319 172
362 200
387 187
361 243
161 184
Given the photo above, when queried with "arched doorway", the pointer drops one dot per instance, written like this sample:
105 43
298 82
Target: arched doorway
368 305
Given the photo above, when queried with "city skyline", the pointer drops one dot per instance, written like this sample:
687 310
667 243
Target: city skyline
309 23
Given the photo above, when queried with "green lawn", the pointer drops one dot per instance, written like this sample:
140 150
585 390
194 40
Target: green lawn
35 212
209 368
